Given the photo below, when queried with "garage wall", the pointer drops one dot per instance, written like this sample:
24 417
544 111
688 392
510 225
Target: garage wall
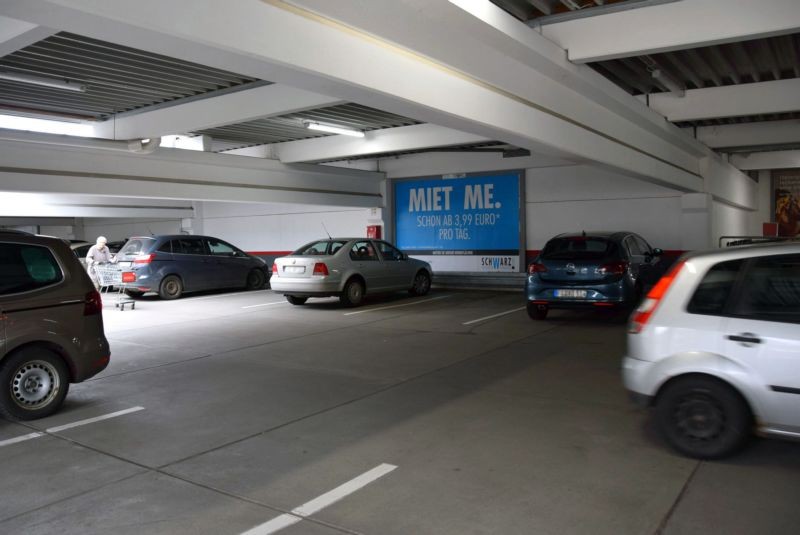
580 197
562 197
281 227
120 229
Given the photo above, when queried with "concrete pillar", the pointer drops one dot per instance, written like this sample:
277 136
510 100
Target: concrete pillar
696 219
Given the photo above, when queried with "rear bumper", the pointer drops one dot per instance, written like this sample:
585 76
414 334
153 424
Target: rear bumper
616 293
305 287
92 360
634 377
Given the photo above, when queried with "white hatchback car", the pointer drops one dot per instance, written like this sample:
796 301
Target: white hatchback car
715 348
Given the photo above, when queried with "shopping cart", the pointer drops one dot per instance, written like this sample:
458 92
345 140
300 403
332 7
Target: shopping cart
110 278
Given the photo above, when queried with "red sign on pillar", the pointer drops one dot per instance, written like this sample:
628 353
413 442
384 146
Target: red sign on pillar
374 231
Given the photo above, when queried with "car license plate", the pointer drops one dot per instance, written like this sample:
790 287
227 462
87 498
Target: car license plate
571 294
124 264
294 269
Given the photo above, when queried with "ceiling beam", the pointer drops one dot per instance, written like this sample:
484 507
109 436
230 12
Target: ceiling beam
671 26
742 100
178 174
51 205
228 108
16 34
782 159
404 138
749 134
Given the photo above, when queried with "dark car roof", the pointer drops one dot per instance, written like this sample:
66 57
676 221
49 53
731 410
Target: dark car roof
615 234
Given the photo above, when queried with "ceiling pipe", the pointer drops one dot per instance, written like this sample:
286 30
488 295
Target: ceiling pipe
138 146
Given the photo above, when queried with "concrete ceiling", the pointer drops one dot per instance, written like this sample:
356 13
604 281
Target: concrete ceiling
562 79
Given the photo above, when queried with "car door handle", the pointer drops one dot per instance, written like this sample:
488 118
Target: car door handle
744 338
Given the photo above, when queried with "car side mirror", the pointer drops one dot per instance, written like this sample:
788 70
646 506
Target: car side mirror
657 252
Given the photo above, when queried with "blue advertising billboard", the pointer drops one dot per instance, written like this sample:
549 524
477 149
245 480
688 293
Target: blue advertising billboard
468 216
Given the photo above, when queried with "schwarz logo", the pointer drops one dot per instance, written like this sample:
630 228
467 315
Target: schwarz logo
497 262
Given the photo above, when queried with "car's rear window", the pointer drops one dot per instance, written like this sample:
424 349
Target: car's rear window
27 267
136 246
579 248
771 291
321 248
713 292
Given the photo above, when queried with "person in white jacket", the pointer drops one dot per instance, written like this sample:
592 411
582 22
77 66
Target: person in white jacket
99 253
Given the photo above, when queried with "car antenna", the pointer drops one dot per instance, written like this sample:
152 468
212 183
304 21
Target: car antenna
326 230
150 231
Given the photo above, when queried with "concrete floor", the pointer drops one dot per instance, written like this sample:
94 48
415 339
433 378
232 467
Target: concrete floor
253 407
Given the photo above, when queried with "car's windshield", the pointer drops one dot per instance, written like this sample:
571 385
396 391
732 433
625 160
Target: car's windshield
321 248
579 248
136 246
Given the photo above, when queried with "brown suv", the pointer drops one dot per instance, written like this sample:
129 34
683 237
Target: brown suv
51 325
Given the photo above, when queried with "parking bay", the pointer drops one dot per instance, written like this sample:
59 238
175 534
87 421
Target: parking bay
495 424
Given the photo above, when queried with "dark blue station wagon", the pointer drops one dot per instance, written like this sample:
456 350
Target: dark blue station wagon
173 264
591 270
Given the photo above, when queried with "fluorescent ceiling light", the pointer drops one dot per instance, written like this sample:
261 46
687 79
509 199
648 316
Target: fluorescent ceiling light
57 83
311 125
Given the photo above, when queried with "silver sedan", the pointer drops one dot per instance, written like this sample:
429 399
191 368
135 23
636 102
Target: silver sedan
348 268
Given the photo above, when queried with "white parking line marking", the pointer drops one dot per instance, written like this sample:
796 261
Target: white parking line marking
93 420
321 502
395 306
267 304
493 316
23 438
58 428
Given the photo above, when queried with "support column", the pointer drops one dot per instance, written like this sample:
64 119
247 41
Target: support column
696 221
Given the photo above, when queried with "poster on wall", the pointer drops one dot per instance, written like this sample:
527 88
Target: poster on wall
787 202
464 224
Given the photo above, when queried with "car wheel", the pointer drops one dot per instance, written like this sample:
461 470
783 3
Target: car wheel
537 312
353 293
134 293
171 287
293 299
255 279
703 418
422 284
34 383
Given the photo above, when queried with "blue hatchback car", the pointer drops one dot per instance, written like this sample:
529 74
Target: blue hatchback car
590 270
173 264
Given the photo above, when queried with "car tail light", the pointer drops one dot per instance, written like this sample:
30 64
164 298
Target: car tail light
144 258
613 268
536 267
274 269
93 304
320 269
648 306
128 276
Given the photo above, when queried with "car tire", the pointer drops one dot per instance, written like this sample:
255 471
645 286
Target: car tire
171 287
422 284
353 293
134 293
293 299
703 418
34 383
537 312
255 280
